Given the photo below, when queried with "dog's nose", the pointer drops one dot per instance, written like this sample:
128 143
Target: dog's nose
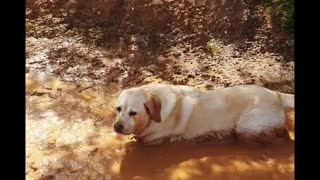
118 127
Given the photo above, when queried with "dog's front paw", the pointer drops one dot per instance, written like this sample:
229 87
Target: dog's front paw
136 138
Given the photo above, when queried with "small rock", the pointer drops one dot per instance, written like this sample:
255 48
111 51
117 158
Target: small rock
36 93
33 168
208 86
205 76
206 67
176 54
190 76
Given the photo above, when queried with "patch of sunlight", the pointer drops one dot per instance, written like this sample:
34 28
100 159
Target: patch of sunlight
258 166
291 167
36 156
180 174
270 162
105 113
100 102
187 170
102 99
204 159
214 47
115 168
43 106
138 177
103 107
291 134
75 133
53 130
31 84
195 83
87 95
283 168
241 166
58 84
111 139
216 169
153 80
190 66
188 163
244 16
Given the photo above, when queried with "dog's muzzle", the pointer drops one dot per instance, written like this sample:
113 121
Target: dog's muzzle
118 127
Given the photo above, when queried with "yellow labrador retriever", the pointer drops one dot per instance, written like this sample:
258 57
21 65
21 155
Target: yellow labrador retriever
156 112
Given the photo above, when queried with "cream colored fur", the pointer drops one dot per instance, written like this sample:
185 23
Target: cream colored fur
187 112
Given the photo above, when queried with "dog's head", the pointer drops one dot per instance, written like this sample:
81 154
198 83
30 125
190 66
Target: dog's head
136 109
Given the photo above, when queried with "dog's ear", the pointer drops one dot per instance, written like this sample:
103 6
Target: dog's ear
153 107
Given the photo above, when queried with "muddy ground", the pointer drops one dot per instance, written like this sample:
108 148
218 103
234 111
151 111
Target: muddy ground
79 59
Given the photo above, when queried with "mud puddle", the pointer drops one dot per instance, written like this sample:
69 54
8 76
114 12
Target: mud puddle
69 136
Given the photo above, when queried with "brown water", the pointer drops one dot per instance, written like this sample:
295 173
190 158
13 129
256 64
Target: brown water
69 136
182 161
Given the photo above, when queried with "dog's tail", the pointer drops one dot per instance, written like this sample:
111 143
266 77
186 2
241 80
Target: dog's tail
287 100
289 124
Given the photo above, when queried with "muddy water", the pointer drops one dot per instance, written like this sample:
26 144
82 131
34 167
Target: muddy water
69 136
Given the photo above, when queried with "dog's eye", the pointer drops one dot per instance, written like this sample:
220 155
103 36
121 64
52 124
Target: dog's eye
118 109
132 113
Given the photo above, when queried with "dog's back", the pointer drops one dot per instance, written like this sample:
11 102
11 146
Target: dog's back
246 109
